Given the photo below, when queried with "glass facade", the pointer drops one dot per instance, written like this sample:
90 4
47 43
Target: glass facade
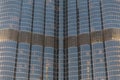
59 39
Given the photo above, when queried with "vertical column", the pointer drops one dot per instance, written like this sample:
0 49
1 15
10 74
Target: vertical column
111 20
99 72
78 39
61 41
85 49
17 38
72 39
48 65
56 34
36 49
65 26
24 43
103 38
44 24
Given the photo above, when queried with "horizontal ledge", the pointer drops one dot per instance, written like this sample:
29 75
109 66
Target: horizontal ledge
50 41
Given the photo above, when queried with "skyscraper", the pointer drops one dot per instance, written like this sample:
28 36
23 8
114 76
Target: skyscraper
59 39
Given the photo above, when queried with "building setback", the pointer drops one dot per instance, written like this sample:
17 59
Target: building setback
59 39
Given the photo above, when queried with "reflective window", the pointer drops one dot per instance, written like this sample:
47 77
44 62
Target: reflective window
86 69
112 55
7 59
22 61
10 13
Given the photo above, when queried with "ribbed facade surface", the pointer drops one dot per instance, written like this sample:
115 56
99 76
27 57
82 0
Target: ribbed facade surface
59 39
